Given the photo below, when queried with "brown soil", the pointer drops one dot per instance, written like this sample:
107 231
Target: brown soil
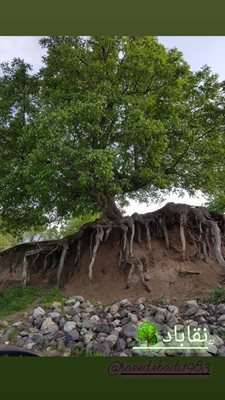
171 279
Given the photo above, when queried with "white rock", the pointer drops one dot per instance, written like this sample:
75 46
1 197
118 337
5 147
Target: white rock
38 312
70 302
88 337
114 309
111 338
47 323
69 326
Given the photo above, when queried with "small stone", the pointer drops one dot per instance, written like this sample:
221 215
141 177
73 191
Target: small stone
38 322
78 298
30 346
125 321
221 351
46 324
133 318
59 335
55 315
67 352
121 345
191 311
70 302
94 319
38 312
192 303
88 337
104 328
24 333
172 321
217 341
37 338
112 339
87 324
123 354
73 335
141 306
76 305
173 309
212 309
221 318
201 313
141 300
147 276
116 322
124 313
56 304
129 331
33 330
17 324
51 330
125 302
118 329
221 309
159 317
212 349
69 326
114 309
67 309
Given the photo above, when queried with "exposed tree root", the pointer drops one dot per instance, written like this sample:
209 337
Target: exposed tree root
98 238
197 226
62 260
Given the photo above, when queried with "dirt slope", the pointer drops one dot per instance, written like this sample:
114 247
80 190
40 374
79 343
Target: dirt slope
169 278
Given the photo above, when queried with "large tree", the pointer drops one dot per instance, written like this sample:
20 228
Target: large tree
106 118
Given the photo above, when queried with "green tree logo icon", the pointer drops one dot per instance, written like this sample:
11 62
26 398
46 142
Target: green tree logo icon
147 332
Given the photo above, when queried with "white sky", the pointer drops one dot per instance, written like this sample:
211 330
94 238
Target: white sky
197 51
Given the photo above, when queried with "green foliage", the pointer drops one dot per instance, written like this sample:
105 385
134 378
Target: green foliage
217 296
147 332
74 224
51 295
217 203
107 117
79 352
16 298
13 333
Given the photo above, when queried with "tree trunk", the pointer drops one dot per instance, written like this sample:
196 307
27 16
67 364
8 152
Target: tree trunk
110 210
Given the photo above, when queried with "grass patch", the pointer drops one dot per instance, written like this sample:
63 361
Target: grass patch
13 334
217 296
51 295
16 298
79 352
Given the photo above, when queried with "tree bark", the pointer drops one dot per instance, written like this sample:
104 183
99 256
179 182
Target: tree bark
110 210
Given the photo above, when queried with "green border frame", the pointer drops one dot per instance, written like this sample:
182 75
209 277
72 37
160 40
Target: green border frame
172 17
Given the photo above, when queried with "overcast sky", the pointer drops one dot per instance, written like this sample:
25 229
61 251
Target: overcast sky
197 51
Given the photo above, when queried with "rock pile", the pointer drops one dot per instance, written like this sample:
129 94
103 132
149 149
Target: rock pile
79 327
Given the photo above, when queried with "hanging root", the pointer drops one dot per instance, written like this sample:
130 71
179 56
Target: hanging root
217 243
26 263
132 266
139 233
107 233
25 271
183 222
98 239
61 262
141 272
148 238
46 257
165 232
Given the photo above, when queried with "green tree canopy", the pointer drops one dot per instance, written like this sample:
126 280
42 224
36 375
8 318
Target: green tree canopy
107 118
